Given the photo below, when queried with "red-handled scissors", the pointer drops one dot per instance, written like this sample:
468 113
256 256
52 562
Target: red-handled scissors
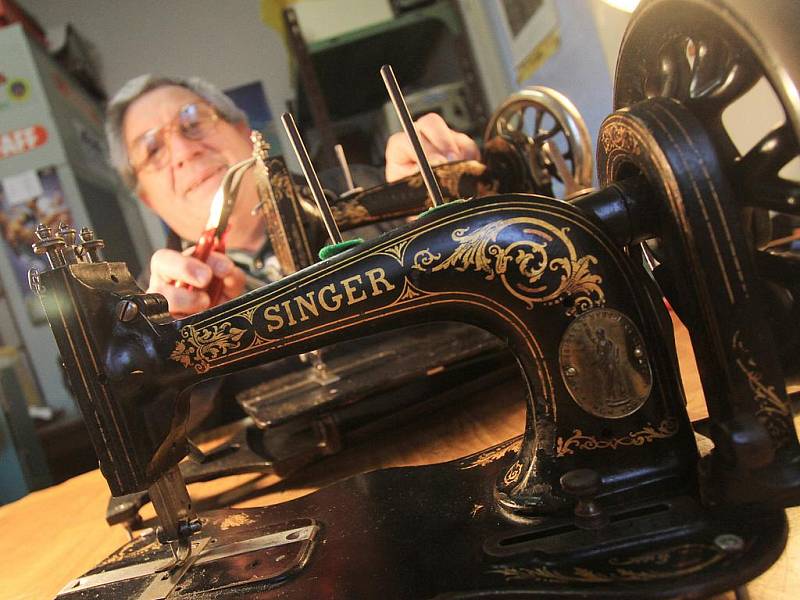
213 237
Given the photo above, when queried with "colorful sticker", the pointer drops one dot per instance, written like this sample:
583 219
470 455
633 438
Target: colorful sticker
13 90
20 141
24 204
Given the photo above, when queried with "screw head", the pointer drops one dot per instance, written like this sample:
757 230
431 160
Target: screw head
638 352
729 542
570 371
127 310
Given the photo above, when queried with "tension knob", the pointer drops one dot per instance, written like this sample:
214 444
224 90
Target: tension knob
584 484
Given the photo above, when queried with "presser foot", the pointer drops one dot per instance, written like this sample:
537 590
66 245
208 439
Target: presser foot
242 452
234 554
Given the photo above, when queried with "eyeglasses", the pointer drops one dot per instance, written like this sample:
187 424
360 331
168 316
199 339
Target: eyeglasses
151 150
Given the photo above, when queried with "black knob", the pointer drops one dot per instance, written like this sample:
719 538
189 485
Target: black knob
585 484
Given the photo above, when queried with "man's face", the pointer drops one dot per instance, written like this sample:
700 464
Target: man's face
181 190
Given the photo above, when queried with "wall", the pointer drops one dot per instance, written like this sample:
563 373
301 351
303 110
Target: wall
225 42
578 69
185 36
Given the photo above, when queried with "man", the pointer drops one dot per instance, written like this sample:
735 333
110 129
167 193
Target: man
172 141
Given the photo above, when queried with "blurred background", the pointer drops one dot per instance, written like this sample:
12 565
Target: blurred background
60 61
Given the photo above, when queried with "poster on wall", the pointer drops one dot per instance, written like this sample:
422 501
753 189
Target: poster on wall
532 27
251 99
27 199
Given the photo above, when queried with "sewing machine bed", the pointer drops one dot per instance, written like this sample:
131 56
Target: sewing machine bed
354 539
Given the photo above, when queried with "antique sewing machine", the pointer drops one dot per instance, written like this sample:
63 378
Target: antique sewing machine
605 494
299 411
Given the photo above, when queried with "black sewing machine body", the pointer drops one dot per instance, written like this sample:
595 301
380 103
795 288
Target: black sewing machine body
605 494
299 411
480 257
504 247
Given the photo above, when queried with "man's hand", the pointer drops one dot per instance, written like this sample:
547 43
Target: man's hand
169 268
441 145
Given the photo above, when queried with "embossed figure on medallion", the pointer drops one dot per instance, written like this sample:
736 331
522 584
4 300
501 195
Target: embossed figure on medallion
604 364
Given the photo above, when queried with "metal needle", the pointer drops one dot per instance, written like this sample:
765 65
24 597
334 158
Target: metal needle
311 177
408 126
348 177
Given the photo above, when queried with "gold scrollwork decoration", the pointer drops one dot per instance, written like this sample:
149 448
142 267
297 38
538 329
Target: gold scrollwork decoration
772 409
479 251
449 175
513 473
349 212
615 136
397 251
410 291
578 441
492 454
677 561
424 258
198 347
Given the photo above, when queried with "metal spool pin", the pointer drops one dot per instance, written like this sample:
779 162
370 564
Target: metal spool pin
348 176
311 177
408 126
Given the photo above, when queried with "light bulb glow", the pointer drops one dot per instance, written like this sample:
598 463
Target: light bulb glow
625 5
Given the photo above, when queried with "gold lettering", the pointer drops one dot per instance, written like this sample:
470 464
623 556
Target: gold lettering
349 290
335 298
288 308
376 275
309 305
276 318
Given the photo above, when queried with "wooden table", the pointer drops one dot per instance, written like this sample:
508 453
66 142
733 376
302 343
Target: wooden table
54 535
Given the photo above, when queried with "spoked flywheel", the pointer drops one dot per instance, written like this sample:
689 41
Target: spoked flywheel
549 132
683 66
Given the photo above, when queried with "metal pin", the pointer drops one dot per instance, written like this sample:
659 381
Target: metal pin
311 177
348 177
408 126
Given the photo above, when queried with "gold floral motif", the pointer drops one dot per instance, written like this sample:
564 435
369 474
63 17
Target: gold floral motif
475 510
198 347
479 251
410 291
424 258
772 410
397 251
577 441
349 213
493 454
677 561
448 176
615 136
513 473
